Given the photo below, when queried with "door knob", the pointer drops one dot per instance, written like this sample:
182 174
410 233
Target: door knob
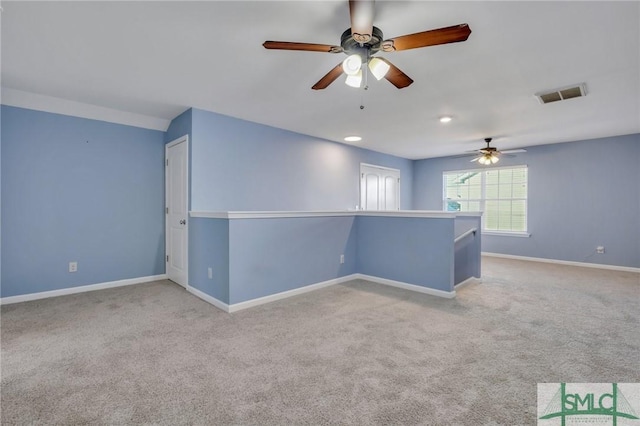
183 222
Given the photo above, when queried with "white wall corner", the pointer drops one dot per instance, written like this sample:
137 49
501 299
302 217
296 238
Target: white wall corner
209 299
407 286
468 281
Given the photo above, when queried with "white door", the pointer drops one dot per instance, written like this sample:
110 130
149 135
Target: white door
176 209
379 188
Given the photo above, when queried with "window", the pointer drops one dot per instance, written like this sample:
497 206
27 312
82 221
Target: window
500 193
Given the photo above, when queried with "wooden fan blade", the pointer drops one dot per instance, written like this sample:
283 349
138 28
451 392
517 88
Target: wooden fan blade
361 12
397 77
329 78
445 35
310 47
513 151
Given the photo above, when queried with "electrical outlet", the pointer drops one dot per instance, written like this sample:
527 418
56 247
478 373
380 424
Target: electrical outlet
73 266
600 249
341 259
210 273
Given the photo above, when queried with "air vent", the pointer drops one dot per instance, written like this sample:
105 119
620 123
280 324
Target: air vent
562 94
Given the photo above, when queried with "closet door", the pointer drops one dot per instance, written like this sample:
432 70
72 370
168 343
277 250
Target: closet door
379 188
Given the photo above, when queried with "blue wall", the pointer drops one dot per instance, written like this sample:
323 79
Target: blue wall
581 195
467 263
74 189
209 248
179 126
244 166
80 190
411 250
253 258
269 256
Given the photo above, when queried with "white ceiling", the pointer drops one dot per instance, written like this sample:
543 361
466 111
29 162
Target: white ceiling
159 58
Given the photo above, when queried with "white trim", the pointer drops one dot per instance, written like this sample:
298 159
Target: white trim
469 232
288 214
210 299
182 139
210 215
407 286
470 280
506 234
563 262
483 169
408 213
312 287
375 166
468 214
289 293
80 289
37 102
267 214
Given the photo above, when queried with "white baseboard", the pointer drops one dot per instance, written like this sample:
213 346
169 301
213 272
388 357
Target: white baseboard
407 286
210 299
289 293
312 287
219 304
80 289
563 262
470 280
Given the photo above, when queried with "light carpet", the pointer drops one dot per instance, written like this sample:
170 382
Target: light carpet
358 353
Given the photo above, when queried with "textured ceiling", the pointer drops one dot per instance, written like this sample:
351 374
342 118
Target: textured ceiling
158 58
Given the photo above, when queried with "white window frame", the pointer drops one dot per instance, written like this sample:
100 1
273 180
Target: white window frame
483 199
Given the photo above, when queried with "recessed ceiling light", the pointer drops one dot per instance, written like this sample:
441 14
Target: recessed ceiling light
353 139
445 119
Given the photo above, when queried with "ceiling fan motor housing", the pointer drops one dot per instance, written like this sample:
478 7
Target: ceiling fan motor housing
364 50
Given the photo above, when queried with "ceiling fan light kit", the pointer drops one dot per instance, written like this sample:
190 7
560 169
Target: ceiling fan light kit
352 64
354 80
488 159
490 155
362 41
378 68
352 67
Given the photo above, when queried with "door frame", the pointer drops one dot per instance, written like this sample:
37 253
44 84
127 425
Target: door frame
375 166
181 139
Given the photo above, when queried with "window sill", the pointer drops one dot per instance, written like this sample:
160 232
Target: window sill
506 234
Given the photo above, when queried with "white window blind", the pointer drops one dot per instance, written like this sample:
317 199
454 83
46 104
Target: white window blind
500 193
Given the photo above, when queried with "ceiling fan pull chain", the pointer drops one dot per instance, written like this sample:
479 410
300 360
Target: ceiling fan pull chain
366 81
366 70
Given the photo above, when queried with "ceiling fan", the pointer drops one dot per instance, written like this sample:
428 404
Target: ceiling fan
362 41
491 155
